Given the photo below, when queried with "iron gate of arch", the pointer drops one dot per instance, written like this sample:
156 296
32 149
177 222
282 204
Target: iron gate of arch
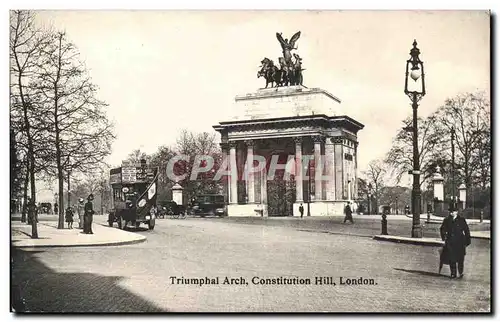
281 193
280 197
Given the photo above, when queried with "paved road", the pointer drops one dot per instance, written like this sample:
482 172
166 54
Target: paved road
137 277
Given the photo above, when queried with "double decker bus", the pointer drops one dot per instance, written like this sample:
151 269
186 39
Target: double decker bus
134 188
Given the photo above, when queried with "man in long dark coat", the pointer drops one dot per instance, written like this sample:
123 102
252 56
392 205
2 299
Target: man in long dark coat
456 235
88 216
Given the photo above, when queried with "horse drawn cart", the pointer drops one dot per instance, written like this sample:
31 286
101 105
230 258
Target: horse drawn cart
171 209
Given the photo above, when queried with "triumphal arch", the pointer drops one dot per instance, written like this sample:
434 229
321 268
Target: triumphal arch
288 145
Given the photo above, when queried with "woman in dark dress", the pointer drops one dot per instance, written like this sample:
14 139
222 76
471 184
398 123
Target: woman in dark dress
88 215
69 217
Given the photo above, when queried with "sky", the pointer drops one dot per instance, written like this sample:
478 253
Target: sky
163 71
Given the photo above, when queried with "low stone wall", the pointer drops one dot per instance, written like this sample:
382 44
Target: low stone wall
246 210
321 208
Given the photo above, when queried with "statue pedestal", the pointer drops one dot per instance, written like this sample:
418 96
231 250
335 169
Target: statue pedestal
289 101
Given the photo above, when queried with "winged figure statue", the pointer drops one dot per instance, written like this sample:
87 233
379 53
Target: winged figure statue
288 46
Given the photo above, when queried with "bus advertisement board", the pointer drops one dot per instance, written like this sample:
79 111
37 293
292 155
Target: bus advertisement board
129 174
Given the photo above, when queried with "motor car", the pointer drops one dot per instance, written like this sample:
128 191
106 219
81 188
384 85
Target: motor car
209 205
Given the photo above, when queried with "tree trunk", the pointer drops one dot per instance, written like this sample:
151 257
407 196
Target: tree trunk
25 193
31 158
60 224
34 218
69 192
102 200
57 132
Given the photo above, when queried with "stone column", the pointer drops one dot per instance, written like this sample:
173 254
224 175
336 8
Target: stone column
318 168
263 186
330 169
234 174
349 184
250 175
225 160
356 196
298 170
339 167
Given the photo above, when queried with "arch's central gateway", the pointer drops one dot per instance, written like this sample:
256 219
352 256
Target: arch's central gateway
303 152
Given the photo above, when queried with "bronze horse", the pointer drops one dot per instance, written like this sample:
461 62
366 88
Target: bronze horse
270 73
287 75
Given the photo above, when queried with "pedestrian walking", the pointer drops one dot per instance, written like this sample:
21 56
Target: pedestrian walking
301 210
348 213
56 209
69 217
88 216
456 235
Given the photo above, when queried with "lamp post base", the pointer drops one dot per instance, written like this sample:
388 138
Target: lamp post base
416 231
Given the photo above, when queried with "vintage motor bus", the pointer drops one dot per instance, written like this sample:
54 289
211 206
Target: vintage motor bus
134 188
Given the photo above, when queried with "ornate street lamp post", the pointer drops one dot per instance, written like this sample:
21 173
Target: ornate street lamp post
417 71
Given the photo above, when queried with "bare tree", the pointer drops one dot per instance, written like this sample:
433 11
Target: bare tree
375 176
160 159
26 46
96 183
81 133
468 114
400 156
136 156
193 144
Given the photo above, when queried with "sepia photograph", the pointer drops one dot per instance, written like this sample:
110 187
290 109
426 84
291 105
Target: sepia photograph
250 161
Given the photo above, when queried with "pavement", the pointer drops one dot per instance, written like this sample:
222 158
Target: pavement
50 236
480 234
409 240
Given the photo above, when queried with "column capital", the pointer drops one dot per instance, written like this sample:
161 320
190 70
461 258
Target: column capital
318 138
297 140
249 143
232 144
337 139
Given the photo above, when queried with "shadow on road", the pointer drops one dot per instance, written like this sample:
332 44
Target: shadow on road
420 272
38 288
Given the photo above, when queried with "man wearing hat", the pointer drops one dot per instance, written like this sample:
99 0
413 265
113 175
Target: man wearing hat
348 213
88 216
456 235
